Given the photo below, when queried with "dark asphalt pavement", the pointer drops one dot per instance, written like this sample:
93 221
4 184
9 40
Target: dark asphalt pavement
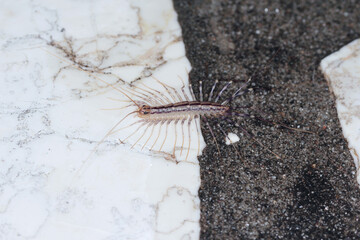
311 192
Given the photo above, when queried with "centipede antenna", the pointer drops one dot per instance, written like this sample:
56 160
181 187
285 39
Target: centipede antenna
183 135
161 123
152 131
183 89
112 129
139 138
226 136
222 90
166 131
198 132
212 134
212 90
201 90
189 125
109 109
92 75
130 125
118 100
100 142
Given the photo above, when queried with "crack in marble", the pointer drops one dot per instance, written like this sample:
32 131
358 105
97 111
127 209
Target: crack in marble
54 124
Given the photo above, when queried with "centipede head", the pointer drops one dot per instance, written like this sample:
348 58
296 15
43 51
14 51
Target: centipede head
144 109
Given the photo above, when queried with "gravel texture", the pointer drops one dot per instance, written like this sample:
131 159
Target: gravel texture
310 192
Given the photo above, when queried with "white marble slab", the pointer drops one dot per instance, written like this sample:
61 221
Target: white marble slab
55 182
342 71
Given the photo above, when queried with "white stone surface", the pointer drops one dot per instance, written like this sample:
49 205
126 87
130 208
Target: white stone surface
231 138
55 182
342 71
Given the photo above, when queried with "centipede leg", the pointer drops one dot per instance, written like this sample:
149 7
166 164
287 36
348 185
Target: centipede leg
161 123
166 131
175 127
183 135
189 134
166 87
157 98
226 136
212 90
160 93
197 121
109 133
152 131
134 132
183 89
222 90
212 134
254 139
201 90
140 137
190 88
130 125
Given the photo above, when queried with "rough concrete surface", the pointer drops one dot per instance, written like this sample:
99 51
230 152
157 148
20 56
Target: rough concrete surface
310 192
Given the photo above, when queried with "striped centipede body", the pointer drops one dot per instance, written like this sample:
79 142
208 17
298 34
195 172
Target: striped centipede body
151 108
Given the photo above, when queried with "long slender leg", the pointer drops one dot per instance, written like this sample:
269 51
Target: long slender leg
189 133
166 131
161 123
101 141
226 136
120 108
212 134
190 87
180 98
212 90
155 100
166 87
222 90
152 131
201 91
275 123
191 91
238 92
158 92
197 122
254 139
130 125
143 97
183 135
183 89
175 127
111 131
118 100
157 97
140 136
134 132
